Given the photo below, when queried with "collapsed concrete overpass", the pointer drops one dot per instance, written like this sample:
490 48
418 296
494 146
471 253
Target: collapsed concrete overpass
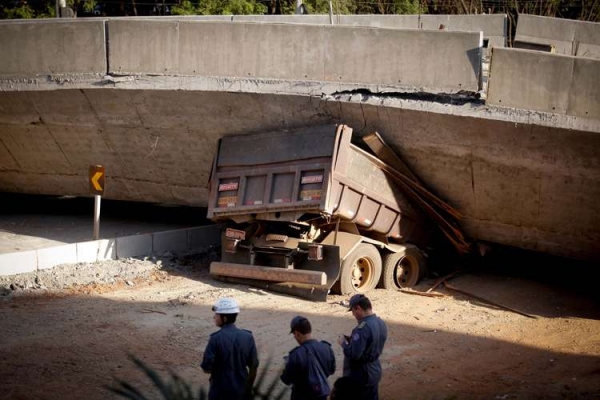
151 108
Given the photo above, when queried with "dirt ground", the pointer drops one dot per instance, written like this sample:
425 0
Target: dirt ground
66 333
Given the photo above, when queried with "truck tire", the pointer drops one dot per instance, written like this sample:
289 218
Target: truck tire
403 269
361 270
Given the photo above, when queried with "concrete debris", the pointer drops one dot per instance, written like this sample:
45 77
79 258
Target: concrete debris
72 275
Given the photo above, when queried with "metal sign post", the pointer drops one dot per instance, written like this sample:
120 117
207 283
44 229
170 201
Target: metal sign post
97 189
97 216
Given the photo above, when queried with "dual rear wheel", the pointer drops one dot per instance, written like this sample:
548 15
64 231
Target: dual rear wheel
403 269
365 268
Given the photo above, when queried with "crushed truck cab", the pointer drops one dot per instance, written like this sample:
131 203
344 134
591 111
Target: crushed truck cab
307 212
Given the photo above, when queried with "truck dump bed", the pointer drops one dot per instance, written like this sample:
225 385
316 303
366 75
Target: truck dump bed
286 175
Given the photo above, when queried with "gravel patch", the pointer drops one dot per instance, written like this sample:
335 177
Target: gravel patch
107 272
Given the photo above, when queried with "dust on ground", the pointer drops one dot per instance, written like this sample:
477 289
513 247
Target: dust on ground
66 333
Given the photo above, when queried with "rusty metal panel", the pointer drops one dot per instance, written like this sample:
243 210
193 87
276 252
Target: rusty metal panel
277 147
334 196
376 190
282 188
255 190
344 240
349 203
384 220
364 172
367 212
330 264
340 158
395 230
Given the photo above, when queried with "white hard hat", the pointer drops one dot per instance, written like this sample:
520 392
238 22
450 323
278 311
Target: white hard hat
226 305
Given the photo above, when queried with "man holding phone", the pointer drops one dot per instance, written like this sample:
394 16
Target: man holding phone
363 348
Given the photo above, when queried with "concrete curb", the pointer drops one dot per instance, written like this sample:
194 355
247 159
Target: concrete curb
176 241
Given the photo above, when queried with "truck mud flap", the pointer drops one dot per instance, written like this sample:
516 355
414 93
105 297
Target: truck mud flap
311 279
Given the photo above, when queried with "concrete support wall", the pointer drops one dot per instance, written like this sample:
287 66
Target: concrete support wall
569 37
52 47
545 82
340 54
517 183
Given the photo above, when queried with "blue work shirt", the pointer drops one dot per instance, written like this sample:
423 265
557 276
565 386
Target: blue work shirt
296 368
361 353
229 355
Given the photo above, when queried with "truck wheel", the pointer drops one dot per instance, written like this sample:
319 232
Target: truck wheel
361 270
403 269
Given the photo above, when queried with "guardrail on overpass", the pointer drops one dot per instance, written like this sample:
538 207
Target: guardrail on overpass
493 26
546 82
48 47
569 37
334 54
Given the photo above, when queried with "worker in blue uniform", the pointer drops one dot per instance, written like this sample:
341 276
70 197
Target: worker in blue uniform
230 357
309 364
363 348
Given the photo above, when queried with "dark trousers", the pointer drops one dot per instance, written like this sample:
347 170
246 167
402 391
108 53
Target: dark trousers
370 392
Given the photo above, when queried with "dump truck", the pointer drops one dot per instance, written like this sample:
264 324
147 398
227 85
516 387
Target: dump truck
307 212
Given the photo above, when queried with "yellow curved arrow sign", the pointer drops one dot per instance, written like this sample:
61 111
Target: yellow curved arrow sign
95 182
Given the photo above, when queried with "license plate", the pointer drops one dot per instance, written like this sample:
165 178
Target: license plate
307 195
225 187
228 201
235 234
311 179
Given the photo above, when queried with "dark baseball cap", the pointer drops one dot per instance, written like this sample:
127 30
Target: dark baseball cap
297 322
354 300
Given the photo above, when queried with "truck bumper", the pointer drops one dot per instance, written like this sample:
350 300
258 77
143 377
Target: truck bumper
310 279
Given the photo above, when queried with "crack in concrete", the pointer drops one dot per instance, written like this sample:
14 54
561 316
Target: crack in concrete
58 145
11 154
475 211
460 98
153 146
49 131
362 110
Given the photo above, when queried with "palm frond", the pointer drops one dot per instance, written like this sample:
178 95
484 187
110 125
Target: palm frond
176 388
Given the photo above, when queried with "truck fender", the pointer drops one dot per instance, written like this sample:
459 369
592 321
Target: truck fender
345 241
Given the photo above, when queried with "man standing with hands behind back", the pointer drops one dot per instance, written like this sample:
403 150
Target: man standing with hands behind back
363 348
230 356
